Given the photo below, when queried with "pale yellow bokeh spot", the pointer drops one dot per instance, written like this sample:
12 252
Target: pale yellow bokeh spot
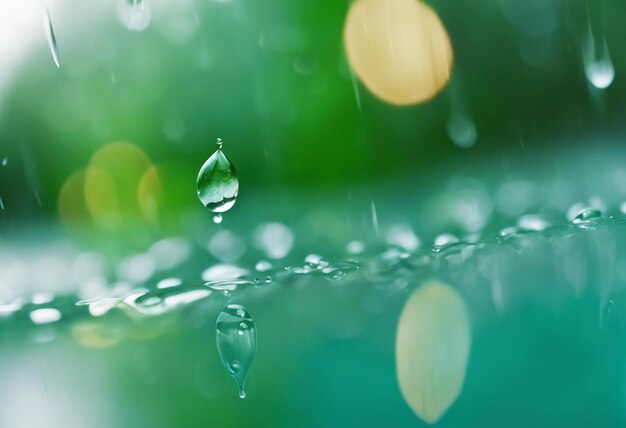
149 194
71 202
399 49
101 197
432 349
112 181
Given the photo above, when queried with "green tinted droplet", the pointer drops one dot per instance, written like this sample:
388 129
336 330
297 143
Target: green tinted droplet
217 182
236 342
587 215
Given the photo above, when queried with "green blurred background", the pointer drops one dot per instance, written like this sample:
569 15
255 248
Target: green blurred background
316 151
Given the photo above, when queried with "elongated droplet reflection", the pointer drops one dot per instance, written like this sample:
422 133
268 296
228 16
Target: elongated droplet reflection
52 40
236 342
432 349
217 183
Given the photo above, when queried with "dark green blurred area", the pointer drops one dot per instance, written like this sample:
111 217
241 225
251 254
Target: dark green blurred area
272 81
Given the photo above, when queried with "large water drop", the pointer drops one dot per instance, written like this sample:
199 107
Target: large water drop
217 182
236 342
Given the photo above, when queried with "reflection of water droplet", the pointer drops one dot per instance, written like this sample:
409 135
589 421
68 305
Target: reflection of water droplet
586 214
217 182
236 344
462 131
217 218
52 41
135 14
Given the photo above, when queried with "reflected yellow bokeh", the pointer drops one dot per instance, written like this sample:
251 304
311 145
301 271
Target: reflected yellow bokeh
399 49
432 349
94 335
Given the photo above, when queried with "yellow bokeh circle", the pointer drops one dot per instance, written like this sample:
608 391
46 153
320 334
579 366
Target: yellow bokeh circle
399 49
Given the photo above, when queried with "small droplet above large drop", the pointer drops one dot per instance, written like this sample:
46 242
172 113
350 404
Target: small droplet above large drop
217 182
236 342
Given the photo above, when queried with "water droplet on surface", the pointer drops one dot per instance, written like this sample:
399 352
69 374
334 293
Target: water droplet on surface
586 214
263 266
444 240
532 222
169 282
217 182
315 261
45 315
52 41
236 344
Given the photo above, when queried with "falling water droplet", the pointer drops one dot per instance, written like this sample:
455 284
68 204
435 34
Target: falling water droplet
5 161
236 342
462 131
134 14
217 183
52 40
599 68
217 218
600 73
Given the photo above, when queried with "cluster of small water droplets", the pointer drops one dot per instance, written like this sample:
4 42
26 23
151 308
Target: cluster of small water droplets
314 264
